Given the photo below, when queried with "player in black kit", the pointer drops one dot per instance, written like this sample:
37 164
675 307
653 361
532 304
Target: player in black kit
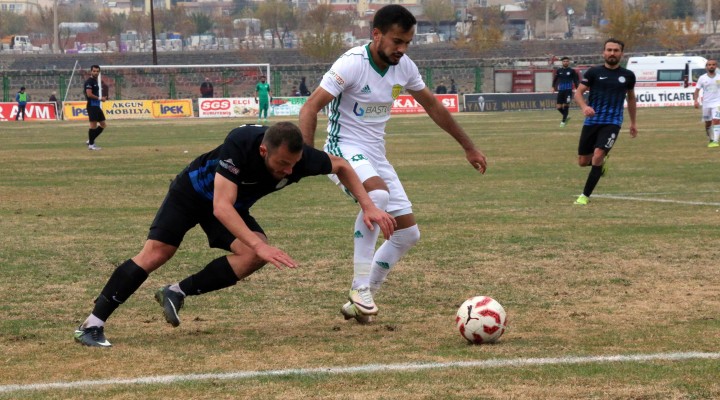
216 191
564 81
93 107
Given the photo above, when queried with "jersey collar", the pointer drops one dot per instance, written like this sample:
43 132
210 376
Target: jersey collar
372 62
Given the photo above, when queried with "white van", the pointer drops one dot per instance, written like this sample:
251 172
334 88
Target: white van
667 71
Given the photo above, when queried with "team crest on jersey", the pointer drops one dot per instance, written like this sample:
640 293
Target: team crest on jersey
621 79
396 89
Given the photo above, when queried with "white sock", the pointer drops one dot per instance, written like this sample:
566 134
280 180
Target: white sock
390 253
716 133
365 241
92 320
176 288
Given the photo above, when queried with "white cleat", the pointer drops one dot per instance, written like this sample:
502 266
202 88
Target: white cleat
363 300
349 311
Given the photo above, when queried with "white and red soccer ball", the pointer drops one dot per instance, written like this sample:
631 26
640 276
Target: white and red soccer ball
481 319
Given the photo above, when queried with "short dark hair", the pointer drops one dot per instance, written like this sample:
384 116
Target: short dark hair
565 58
94 66
616 41
391 15
283 132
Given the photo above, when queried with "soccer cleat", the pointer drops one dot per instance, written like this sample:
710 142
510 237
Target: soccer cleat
93 336
171 302
349 311
562 124
94 147
582 200
605 167
363 300
713 144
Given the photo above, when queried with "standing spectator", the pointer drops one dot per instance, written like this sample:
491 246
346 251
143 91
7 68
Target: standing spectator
710 86
21 97
609 84
206 88
441 89
303 87
263 97
94 108
53 98
294 92
453 88
565 81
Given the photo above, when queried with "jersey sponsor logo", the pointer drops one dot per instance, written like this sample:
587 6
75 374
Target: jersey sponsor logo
228 165
396 89
340 81
370 111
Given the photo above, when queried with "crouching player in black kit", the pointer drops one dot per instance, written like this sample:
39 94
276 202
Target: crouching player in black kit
216 191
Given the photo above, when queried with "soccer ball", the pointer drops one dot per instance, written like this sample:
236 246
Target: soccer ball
481 319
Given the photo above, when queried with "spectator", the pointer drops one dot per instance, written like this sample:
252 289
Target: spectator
453 88
21 97
206 88
295 92
303 87
441 89
53 98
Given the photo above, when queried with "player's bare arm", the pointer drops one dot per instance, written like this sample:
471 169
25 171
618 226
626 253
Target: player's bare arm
632 111
580 100
371 214
224 197
309 112
696 97
442 117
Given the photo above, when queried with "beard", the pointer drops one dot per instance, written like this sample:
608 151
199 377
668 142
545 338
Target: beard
386 59
612 60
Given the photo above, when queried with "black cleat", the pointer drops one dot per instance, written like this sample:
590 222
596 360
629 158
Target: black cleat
171 302
93 336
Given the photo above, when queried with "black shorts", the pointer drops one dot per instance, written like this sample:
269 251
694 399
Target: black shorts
597 137
95 114
564 96
181 211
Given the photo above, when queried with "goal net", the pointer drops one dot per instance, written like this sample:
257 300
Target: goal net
152 82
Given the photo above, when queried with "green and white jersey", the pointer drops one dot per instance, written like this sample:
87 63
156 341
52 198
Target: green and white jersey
364 96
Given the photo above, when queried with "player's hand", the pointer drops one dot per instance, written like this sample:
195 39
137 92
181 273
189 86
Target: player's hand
697 105
588 111
384 220
477 159
275 256
633 130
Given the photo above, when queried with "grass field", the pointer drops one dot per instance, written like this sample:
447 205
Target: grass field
634 274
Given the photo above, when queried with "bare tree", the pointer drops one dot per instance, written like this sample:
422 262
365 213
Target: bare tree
323 38
437 11
277 16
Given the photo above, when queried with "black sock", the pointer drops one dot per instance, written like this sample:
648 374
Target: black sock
123 282
215 276
560 110
592 179
91 136
565 111
98 131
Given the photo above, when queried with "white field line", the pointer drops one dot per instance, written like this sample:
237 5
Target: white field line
656 200
369 368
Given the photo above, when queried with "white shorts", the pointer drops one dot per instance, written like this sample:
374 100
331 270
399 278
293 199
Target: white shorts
368 163
710 113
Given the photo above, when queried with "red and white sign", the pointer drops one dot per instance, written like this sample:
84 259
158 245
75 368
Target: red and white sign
33 111
406 104
226 107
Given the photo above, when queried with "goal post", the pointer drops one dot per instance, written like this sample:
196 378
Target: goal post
149 82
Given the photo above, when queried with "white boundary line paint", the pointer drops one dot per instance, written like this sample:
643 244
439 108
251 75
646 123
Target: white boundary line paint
656 200
369 368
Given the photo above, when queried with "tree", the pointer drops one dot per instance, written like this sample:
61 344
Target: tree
277 16
485 33
201 22
437 11
323 39
678 35
112 25
628 23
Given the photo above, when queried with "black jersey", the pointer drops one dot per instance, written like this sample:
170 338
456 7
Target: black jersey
238 159
565 79
608 88
92 84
